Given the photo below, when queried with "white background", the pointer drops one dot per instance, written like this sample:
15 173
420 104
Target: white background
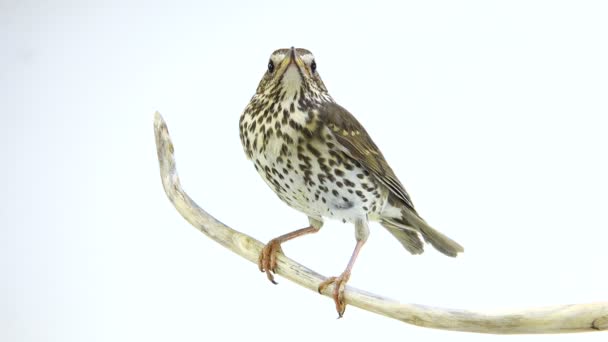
492 114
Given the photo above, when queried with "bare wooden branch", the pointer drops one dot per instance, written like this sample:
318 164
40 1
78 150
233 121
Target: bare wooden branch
555 319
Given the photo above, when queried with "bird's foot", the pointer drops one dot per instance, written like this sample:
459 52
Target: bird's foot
267 261
338 295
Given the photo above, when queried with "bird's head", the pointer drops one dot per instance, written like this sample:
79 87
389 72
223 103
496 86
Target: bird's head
290 71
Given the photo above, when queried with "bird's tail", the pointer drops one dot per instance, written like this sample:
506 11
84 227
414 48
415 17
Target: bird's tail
409 226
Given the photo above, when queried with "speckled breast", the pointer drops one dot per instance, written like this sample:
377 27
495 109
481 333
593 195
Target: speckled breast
304 164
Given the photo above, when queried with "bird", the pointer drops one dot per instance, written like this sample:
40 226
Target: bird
321 161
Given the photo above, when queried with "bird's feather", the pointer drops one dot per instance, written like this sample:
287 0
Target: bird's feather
359 146
408 238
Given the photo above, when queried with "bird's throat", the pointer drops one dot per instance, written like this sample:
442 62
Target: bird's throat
292 80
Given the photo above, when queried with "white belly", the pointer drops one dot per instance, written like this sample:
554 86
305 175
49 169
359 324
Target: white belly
313 187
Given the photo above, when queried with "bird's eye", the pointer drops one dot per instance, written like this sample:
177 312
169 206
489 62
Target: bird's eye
270 67
313 66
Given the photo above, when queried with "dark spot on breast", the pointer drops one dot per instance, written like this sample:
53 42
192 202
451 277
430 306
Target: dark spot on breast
313 150
335 155
348 183
296 126
284 150
343 205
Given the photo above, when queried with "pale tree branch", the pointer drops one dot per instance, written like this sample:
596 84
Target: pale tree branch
555 319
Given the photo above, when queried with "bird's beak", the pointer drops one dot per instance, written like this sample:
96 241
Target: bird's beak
292 54
293 59
293 69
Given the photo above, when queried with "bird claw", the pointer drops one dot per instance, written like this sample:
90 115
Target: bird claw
267 261
338 292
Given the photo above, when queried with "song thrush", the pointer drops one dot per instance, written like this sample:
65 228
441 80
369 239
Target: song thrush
320 160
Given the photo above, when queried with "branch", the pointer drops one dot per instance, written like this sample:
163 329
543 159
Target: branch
555 319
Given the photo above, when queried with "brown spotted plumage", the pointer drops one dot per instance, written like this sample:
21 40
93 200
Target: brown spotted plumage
320 160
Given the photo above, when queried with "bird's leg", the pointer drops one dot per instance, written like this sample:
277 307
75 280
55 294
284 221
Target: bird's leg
361 233
267 261
340 282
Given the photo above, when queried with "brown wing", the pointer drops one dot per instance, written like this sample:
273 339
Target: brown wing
352 136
